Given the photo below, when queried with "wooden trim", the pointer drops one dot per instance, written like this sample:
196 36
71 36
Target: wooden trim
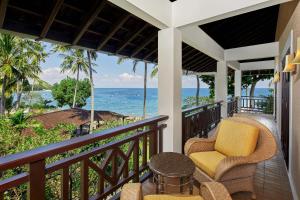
149 54
143 45
51 18
3 6
114 29
132 38
88 21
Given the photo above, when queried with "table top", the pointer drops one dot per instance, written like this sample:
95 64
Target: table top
172 165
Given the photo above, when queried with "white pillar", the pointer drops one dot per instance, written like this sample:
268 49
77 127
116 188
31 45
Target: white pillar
221 86
238 86
169 86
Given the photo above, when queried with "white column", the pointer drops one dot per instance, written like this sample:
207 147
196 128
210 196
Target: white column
169 86
238 86
221 86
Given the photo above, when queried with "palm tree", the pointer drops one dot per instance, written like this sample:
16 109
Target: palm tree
74 61
198 88
91 55
19 59
135 62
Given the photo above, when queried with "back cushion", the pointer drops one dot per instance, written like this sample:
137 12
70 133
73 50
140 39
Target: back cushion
236 138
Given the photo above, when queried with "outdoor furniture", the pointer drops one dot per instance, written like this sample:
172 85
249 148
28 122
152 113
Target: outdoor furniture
209 191
172 166
231 155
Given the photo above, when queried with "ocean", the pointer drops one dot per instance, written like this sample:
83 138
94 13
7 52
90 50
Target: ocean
129 101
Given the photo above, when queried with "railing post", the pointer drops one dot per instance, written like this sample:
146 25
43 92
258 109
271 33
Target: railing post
153 140
84 180
136 177
206 121
36 190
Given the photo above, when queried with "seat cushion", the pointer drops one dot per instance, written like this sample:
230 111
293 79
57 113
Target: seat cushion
171 197
236 138
207 161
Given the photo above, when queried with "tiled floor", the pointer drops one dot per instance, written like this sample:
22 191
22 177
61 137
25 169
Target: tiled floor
271 181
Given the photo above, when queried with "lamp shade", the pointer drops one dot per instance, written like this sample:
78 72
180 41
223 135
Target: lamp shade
289 66
276 77
297 57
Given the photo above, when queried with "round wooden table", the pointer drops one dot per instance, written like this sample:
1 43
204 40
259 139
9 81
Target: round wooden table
172 165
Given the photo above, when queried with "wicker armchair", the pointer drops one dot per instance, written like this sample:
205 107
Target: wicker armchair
236 173
209 191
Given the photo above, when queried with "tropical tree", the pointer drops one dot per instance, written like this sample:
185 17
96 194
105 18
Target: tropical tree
74 61
64 90
135 62
198 88
252 80
19 61
91 55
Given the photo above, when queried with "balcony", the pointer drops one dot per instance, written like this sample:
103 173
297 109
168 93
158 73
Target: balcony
123 157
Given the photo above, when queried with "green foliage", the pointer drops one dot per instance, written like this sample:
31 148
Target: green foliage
63 92
19 61
34 100
192 101
210 81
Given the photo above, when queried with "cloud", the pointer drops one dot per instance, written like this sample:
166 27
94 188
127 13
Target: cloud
54 75
130 77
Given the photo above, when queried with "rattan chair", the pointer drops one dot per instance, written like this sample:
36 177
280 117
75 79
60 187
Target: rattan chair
209 191
235 173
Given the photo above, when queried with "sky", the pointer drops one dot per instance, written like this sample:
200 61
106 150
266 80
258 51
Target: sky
109 74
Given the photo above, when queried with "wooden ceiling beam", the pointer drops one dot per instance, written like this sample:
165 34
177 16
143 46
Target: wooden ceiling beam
196 55
142 46
93 14
188 53
51 18
114 29
3 6
198 59
149 54
132 38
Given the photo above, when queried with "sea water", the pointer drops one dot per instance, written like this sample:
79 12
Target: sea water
129 101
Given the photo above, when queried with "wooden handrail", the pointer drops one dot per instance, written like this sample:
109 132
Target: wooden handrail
202 106
43 152
144 143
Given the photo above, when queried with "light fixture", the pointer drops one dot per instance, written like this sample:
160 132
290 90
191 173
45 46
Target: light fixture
289 66
276 78
296 60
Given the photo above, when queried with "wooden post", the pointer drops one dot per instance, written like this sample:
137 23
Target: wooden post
136 161
84 181
36 189
65 187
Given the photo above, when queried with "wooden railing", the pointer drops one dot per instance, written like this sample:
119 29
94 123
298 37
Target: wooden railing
257 104
232 106
198 121
120 160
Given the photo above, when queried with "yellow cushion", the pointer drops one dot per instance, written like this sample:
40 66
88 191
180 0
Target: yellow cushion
171 197
207 161
236 138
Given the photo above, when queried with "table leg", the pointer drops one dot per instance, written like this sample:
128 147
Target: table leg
156 181
162 185
191 185
181 184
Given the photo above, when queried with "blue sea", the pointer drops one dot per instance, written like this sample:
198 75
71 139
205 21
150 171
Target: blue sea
129 101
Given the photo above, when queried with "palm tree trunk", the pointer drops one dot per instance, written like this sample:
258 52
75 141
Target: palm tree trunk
92 91
252 89
2 110
197 92
75 90
19 93
145 91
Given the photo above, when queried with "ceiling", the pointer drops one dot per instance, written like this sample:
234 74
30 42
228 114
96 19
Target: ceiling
95 24
251 28
256 60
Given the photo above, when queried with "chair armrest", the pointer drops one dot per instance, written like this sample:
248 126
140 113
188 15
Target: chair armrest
199 144
228 163
214 191
131 191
